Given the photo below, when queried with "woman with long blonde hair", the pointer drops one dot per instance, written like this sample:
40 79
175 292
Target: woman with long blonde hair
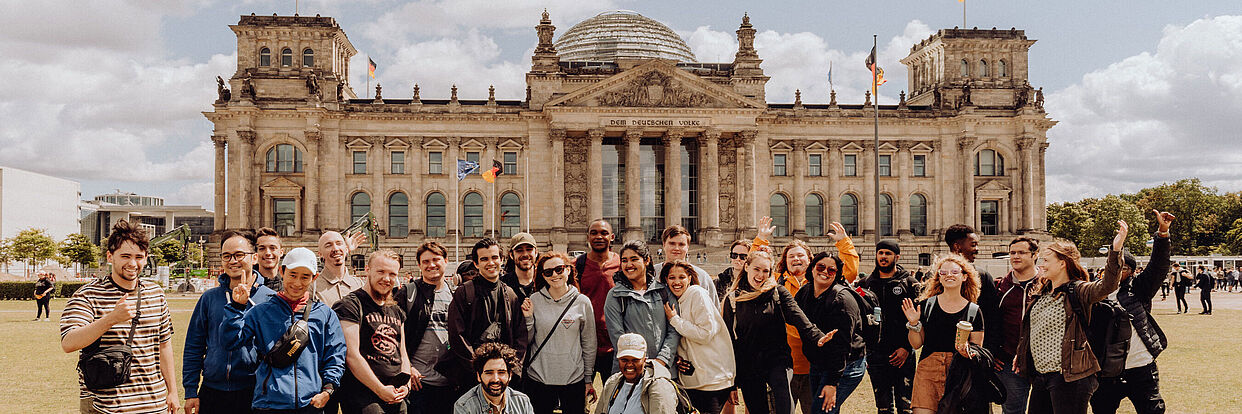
948 298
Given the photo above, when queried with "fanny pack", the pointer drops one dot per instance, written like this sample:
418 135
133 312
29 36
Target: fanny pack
104 368
286 349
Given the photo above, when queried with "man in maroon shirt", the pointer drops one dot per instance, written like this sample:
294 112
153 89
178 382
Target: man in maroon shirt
1012 288
596 268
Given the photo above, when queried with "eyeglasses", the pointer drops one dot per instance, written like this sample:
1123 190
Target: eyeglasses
553 270
228 257
825 269
950 272
741 256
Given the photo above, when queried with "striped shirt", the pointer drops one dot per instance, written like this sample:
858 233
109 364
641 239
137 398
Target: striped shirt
146 390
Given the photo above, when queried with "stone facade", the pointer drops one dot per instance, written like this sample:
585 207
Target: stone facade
294 152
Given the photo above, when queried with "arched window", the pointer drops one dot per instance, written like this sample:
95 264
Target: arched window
886 215
779 211
849 214
510 215
814 215
286 57
359 205
1003 69
265 57
436 216
308 58
398 215
983 67
918 215
989 163
284 158
472 215
965 68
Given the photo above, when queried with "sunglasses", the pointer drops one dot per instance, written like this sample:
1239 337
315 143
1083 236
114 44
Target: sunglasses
737 256
947 272
825 269
553 270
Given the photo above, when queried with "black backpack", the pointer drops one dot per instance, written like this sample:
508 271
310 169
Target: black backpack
867 302
1108 332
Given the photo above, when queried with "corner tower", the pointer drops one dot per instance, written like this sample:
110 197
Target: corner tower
291 57
959 67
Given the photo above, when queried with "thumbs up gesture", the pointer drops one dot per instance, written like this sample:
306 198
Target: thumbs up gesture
121 312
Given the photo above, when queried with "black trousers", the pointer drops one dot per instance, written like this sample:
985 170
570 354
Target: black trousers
358 399
755 391
545 398
1182 305
431 399
310 409
603 364
1141 385
1205 299
44 307
1069 397
891 385
709 402
213 401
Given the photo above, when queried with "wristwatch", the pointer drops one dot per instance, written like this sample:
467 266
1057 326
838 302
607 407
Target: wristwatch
329 388
918 327
1164 234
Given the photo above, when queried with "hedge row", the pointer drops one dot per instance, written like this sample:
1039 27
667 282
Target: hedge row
25 290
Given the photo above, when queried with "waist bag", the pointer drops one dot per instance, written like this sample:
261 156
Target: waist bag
104 368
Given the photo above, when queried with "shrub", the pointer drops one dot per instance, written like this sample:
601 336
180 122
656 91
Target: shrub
25 290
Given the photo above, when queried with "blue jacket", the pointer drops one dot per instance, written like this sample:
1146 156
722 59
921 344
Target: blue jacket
321 362
627 311
205 351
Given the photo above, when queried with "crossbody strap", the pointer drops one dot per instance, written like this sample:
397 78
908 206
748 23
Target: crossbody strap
133 324
551 332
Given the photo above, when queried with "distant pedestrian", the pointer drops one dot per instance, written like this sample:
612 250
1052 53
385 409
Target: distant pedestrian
1181 283
1205 282
43 296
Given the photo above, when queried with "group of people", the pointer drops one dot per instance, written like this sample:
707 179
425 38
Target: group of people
526 331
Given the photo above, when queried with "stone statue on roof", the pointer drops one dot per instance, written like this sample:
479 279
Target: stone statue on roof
224 94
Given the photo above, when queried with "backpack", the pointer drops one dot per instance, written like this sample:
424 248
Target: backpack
684 406
1108 331
867 302
972 310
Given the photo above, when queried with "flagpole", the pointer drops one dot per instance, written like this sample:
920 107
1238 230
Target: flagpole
456 217
875 170
526 183
495 207
963 14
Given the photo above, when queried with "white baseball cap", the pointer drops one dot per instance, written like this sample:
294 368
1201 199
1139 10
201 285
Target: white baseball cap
631 345
301 257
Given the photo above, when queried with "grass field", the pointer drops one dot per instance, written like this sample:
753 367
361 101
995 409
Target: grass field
1200 371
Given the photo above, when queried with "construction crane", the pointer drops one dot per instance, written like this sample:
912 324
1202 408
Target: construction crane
367 224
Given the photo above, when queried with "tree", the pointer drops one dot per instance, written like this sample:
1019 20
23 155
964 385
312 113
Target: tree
1233 238
33 246
168 253
1198 209
1068 220
78 249
1105 212
6 253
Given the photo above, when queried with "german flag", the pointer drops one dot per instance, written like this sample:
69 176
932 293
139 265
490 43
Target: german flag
497 169
371 68
877 73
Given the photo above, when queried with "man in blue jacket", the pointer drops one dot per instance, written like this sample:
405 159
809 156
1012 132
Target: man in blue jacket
227 377
305 385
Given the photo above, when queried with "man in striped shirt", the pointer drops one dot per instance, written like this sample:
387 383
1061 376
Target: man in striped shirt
102 311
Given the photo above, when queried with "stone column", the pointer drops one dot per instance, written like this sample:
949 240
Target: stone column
452 211
377 165
558 185
901 195
746 196
832 169
672 176
595 174
1026 194
417 207
867 205
246 175
490 225
633 185
969 203
221 143
1041 197
310 209
797 202
709 188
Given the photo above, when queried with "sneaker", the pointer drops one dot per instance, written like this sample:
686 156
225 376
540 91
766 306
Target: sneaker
45 319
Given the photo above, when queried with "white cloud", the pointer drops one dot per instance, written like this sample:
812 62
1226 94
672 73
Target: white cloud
447 18
1153 117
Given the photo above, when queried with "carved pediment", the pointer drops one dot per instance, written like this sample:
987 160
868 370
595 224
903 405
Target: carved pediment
473 145
656 84
888 147
921 147
851 147
816 147
434 144
282 187
396 144
358 144
993 187
510 144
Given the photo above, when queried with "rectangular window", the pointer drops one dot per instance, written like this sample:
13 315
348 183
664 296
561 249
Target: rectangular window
989 217
510 163
920 165
886 166
474 157
284 216
851 165
778 165
815 166
435 160
398 162
360 162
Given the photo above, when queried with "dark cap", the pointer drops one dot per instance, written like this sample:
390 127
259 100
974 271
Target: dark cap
890 245
1129 260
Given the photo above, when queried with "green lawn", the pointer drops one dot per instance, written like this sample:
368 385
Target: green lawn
1198 371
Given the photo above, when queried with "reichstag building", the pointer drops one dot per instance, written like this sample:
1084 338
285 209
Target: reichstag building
621 121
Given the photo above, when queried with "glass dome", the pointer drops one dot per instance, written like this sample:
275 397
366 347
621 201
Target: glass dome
621 34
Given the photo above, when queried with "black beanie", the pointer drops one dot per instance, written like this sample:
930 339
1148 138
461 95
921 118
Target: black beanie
1129 260
888 245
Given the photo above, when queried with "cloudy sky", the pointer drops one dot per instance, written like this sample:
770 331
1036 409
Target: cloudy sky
110 93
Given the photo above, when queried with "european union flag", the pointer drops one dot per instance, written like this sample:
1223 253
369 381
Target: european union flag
465 168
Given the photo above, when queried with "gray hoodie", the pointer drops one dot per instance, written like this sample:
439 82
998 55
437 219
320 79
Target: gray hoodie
569 355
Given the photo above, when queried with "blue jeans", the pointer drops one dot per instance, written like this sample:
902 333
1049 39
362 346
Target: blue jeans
850 378
1017 390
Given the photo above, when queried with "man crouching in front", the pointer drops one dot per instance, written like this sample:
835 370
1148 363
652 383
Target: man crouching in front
299 341
493 363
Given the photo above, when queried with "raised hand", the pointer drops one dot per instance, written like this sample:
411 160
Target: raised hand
1164 219
121 312
1119 241
838 232
241 292
766 229
912 313
355 240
